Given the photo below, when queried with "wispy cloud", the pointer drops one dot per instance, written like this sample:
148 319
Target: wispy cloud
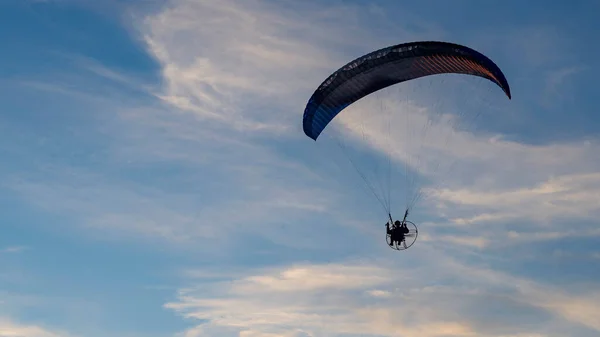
568 196
382 298
14 249
321 307
222 183
556 78
251 65
478 177
556 89
133 209
10 328
531 45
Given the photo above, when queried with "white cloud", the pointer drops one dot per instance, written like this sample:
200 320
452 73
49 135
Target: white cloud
476 178
436 297
253 64
282 302
219 57
562 197
9 328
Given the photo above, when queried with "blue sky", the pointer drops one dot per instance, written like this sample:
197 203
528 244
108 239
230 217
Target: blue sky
156 180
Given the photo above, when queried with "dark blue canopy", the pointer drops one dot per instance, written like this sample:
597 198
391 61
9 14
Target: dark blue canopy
388 66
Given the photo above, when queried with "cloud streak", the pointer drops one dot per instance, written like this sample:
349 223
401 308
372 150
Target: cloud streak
9 328
13 249
376 300
251 65
485 175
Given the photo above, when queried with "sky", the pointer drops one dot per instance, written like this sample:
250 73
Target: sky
156 181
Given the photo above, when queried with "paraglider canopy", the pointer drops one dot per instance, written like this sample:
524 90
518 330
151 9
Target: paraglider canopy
388 66
381 69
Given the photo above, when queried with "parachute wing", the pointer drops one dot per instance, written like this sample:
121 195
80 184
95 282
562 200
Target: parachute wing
389 66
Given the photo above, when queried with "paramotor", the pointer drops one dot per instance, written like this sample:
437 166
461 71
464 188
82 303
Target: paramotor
384 68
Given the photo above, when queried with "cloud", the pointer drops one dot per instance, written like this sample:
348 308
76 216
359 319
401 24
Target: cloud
582 308
473 180
13 249
284 303
128 208
556 86
164 176
218 57
468 241
532 45
437 297
9 328
252 65
556 78
567 196
475 177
